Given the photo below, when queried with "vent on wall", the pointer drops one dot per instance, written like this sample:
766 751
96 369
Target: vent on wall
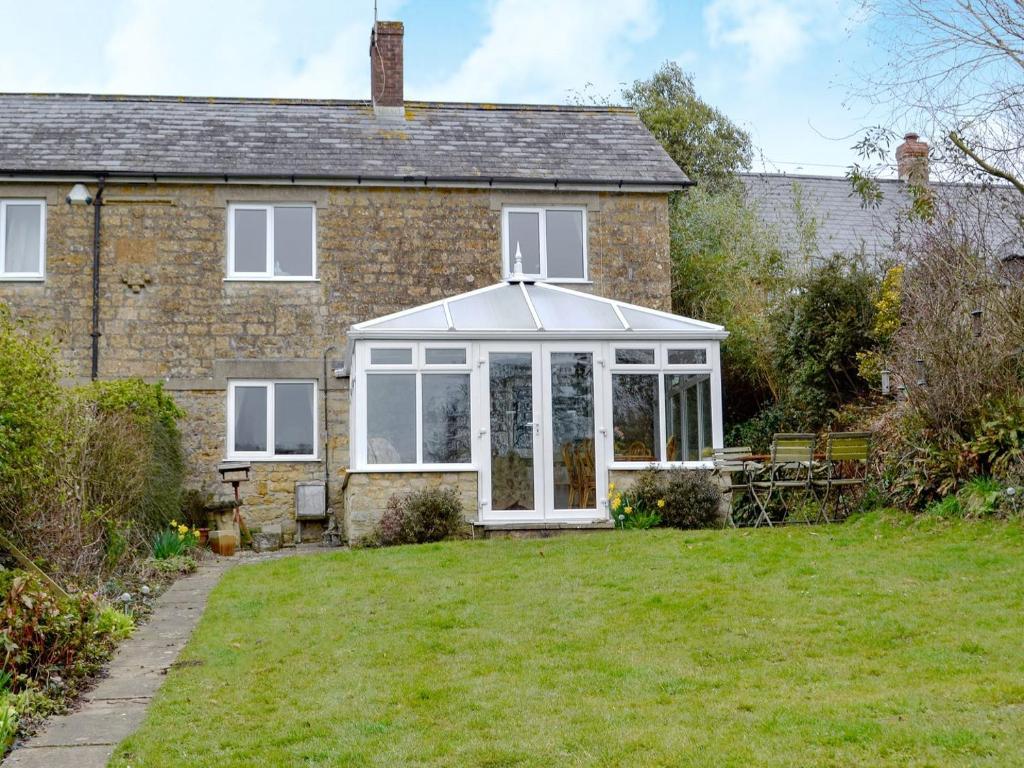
310 503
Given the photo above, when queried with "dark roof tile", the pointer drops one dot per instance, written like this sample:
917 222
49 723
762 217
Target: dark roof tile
171 136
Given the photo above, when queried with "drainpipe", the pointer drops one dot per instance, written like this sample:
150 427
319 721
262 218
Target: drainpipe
327 437
97 205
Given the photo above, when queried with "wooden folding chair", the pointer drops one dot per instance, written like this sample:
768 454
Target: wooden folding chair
730 463
847 455
791 468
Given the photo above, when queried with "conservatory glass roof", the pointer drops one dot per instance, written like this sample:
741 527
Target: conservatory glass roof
532 310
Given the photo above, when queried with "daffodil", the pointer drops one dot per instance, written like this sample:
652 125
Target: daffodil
616 502
629 510
661 503
611 487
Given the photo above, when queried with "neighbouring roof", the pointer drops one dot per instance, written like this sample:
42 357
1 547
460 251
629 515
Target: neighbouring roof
842 224
532 310
234 137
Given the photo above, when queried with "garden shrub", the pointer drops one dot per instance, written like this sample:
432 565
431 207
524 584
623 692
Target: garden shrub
52 640
692 500
29 388
819 332
391 529
87 475
433 515
638 507
957 356
145 411
420 517
682 498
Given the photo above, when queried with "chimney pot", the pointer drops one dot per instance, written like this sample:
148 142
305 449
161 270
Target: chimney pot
912 160
387 68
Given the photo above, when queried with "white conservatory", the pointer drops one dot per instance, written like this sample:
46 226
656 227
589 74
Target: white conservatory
539 390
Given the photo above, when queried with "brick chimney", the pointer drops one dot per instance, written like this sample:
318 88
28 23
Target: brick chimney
912 160
386 68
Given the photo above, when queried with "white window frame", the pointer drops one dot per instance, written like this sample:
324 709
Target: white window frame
268 273
22 276
507 256
419 368
269 455
662 369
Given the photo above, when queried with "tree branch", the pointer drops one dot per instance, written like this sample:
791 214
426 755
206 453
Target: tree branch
987 167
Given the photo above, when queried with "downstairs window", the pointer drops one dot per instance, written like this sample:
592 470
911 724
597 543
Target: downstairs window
417 405
273 420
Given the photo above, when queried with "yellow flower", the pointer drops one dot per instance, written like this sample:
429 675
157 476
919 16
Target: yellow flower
661 503
181 536
174 523
616 502
611 487
182 529
629 510
195 531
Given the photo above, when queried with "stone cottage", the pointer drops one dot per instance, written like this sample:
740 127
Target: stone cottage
360 297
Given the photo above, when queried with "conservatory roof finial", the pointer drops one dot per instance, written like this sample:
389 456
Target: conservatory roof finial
517 266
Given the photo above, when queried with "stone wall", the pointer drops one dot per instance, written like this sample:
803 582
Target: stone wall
367 494
167 313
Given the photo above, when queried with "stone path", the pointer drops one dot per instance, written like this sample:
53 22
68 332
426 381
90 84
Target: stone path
86 737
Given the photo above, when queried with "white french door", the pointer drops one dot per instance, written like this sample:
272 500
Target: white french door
511 484
540 440
574 469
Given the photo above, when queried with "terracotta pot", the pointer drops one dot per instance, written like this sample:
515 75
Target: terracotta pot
204 536
223 543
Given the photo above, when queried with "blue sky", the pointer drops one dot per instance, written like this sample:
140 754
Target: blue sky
783 69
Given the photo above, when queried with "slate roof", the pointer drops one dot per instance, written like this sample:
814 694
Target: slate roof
844 225
169 136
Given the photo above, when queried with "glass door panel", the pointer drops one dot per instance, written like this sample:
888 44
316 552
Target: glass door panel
572 465
513 431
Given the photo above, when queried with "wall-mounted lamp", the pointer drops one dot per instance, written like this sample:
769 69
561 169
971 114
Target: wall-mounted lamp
976 320
886 381
79 195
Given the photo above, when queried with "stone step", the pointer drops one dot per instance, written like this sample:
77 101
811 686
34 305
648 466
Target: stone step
539 529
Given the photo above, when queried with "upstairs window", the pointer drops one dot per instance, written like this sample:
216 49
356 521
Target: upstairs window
552 242
271 242
22 239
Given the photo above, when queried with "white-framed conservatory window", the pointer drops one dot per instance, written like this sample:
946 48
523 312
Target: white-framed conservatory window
661 403
417 405
551 241
272 420
22 239
271 241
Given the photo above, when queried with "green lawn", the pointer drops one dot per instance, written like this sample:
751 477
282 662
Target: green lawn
884 641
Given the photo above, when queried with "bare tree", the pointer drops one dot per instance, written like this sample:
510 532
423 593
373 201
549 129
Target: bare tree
955 71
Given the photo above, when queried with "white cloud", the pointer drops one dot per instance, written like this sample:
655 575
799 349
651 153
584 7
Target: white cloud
538 50
773 33
240 48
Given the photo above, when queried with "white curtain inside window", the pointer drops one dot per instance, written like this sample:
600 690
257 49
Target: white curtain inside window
251 418
21 240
